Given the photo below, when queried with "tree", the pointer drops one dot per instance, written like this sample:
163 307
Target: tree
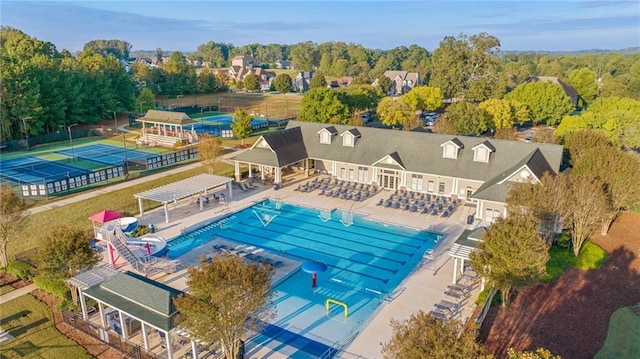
207 81
385 84
468 119
394 112
252 82
324 105
304 56
546 101
241 124
423 98
540 353
512 254
444 125
145 100
66 251
209 149
225 295
362 97
283 83
422 336
318 80
11 217
584 81
505 113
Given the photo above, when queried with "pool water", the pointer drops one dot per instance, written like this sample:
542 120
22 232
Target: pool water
366 260
215 124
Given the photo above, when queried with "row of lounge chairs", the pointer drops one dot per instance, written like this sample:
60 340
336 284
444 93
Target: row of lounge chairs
419 205
447 309
246 186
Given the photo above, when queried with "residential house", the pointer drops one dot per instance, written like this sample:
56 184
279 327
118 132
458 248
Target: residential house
478 171
568 89
244 61
302 81
402 81
265 77
341 82
283 64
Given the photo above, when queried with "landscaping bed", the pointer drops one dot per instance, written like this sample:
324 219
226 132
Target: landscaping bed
570 316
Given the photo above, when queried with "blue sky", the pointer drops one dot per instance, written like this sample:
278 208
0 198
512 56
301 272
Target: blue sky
183 25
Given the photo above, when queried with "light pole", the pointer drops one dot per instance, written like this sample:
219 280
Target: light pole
73 154
115 121
178 99
219 99
142 103
126 160
24 128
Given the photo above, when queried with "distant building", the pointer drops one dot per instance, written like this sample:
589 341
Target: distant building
283 64
244 61
341 82
568 89
302 81
401 81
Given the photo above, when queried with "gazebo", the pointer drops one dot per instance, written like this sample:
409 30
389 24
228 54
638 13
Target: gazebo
166 128
173 192
461 250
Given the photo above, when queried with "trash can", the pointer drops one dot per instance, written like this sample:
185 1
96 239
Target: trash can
470 219
152 229
275 187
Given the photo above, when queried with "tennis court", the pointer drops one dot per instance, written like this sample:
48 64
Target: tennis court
110 155
31 169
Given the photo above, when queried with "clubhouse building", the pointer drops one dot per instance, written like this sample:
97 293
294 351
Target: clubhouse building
476 170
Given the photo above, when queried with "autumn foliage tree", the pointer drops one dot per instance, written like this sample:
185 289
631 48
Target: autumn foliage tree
546 101
394 112
209 149
422 336
512 254
66 252
11 217
225 296
468 119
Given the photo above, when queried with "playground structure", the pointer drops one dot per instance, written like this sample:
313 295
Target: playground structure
328 302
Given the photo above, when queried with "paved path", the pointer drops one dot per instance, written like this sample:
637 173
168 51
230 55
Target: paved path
17 293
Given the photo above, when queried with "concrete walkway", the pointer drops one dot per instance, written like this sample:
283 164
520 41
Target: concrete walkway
17 293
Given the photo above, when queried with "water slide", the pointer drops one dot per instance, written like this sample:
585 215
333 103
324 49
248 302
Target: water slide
142 246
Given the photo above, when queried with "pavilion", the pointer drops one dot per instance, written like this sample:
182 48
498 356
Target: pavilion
166 128
461 251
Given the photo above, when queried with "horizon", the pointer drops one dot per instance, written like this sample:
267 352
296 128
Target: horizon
521 26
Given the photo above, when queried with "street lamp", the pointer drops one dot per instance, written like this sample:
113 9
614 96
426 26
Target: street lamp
24 128
73 154
126 160
178 98
219 99
115 121
142 103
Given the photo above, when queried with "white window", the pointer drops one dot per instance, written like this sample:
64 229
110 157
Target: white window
430 186
416 182
351 174
441 187
450 151
325 137
363 174
343 173
490 215
481 154
347 140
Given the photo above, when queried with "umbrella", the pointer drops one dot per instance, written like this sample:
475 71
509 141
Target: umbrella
105 216
313 267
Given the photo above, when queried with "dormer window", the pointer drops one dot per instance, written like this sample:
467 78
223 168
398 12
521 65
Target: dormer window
482 152
326 134
451 148
349 137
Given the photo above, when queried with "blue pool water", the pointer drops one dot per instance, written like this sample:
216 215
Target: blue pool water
366 260
215 124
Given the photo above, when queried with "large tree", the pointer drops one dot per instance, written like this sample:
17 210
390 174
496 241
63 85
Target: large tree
324 105
318 80
11 217
225 296
512 254
423 98
422 336
585 83
393 112
241 124
385 84
209 149
283 83
505 113
66 251
252 82
546 101
468 119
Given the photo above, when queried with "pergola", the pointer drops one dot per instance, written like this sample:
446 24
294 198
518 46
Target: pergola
462 249
173 192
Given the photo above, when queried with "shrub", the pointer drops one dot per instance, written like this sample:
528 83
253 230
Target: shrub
54 287
20 269
482 297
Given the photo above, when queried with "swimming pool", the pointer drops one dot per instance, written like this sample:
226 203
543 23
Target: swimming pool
215 124
366 261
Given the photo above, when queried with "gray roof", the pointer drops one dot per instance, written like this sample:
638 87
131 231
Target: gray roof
467 243
140 297
284 148
166 117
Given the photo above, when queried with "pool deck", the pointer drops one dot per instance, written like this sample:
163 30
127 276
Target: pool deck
421 290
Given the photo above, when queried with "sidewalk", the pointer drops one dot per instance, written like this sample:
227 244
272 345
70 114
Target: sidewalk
110 188
17 293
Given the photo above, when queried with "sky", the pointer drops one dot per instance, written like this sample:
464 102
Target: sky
564 25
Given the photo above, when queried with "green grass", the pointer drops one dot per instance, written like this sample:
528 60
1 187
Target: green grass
591 256
75 214
30 322
623 337
4 289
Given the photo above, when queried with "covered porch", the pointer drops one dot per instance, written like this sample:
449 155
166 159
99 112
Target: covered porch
166 128
198 186
460 252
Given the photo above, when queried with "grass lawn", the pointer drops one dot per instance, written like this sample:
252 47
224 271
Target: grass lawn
4 289
623 337
591 256
30 322
75 214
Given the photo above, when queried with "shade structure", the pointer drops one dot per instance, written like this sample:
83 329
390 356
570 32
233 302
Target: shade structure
313 267
105 216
